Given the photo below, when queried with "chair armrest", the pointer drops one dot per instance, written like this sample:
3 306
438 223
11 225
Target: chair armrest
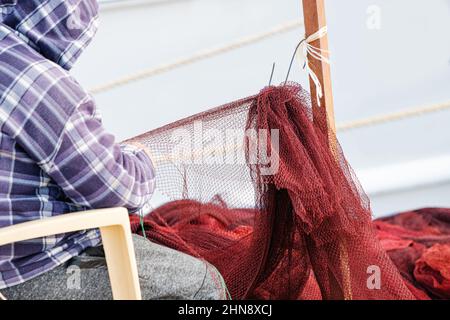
114 226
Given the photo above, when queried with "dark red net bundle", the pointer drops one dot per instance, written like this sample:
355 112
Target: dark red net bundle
418 242
262 191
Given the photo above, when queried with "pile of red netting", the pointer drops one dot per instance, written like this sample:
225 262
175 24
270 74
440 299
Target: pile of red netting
262 191
418 242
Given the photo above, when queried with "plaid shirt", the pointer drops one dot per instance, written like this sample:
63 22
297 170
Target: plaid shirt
55 156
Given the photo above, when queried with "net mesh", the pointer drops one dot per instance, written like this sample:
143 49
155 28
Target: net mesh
262 191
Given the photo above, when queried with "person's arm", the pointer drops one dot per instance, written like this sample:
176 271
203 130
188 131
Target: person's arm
95 171
86 162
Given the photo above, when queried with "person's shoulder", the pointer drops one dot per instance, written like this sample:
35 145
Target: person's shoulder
18 59
32 87
30 81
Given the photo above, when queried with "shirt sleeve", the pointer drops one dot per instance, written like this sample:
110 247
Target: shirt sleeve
57 125
95 171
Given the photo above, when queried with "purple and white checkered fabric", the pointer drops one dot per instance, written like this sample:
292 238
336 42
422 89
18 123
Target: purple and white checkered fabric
55 156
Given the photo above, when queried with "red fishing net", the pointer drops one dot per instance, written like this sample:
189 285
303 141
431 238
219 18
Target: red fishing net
418 242
262 191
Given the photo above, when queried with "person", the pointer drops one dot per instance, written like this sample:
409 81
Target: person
57 158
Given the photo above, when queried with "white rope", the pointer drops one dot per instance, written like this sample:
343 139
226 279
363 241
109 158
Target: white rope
209 53
395 116
318 54
2 297
307 48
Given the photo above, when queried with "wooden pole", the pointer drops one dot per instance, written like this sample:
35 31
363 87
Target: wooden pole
314 18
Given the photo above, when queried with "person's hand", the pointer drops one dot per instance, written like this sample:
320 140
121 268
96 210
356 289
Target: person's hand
140 146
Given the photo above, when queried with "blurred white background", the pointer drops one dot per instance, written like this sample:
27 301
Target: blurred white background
386 56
